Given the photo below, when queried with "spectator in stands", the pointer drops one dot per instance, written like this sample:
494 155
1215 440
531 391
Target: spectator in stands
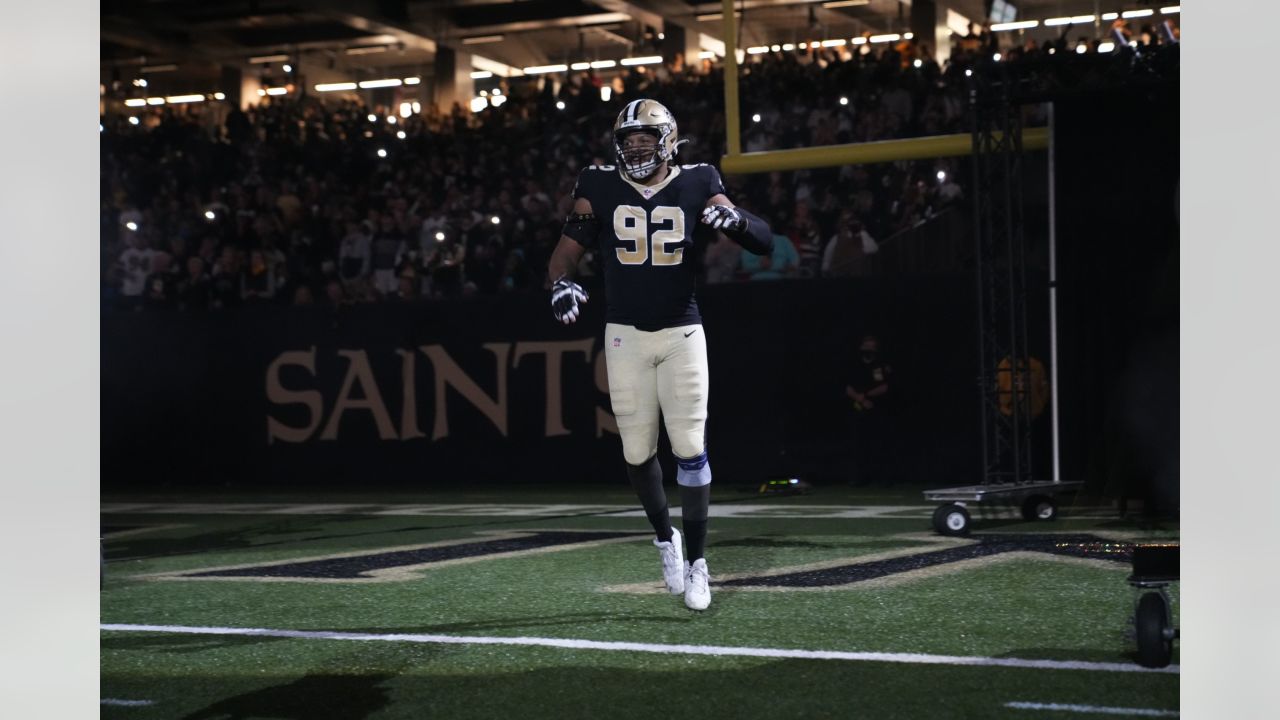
385 248
849 251
258 280
159 286
779 264
354 253
723 259
135 265
194 290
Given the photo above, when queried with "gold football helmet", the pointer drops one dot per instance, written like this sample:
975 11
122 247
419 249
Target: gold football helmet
648 116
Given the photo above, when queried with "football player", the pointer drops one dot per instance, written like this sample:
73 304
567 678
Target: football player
641 216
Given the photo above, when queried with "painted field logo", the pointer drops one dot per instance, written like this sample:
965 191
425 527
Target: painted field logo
404 563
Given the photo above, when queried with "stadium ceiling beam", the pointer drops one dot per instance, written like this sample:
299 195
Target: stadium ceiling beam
548 24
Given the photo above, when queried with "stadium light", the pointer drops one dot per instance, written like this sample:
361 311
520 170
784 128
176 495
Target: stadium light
1074 20
417 107
757 50
219 96
775 48
386 82
1137 13
482 39
277 91
580 66
645 60
481 75
178 99
405 110
1020 25
893 37
135 102
155 101
833 43
908 35
844 3
541 69
788 47
859 41
1110 16
333 87
412 80
706 55
479 103
265 59
603 64
605 93
1171 10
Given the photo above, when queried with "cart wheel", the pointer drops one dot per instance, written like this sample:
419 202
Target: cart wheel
1039 507
951 519
1155 645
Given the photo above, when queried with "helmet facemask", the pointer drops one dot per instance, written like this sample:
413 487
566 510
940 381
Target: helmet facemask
641 161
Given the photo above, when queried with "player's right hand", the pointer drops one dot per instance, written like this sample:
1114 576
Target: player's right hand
565 296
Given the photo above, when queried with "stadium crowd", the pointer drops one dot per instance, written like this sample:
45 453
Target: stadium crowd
298 201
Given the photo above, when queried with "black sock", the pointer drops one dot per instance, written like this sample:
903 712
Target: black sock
694 502
646 480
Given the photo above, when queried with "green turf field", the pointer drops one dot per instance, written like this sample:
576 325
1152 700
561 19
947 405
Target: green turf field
548 602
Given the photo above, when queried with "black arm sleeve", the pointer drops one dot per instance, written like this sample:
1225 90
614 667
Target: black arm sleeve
757 238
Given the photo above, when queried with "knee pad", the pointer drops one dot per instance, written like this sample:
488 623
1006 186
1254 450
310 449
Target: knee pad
694 471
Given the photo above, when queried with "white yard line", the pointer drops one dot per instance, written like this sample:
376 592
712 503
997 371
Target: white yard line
1093 709
727 510
715 650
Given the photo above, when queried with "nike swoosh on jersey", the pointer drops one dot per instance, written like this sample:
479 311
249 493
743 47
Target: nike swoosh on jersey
690 333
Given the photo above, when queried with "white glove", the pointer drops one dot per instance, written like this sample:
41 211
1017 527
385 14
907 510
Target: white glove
565 296
723 217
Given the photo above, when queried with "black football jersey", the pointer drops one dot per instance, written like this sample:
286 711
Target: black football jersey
646 242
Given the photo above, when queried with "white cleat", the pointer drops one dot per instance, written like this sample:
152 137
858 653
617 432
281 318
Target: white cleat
697 586
673 564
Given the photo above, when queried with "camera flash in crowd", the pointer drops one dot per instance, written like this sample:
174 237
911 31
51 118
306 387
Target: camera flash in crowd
942 175
844 101
288 68
132 225
559 104
133 119
208 214
401 135
439 236
920 63
996 57
382 153
391 120
373 118
968 73
755 117
495 220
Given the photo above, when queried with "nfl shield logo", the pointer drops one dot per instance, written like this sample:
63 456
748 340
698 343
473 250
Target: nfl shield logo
617 342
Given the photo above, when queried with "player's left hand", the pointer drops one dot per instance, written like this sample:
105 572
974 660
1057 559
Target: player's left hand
723 217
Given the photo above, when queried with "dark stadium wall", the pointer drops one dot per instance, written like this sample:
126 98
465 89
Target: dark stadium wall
488 389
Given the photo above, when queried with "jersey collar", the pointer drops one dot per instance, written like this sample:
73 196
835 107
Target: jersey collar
648 191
